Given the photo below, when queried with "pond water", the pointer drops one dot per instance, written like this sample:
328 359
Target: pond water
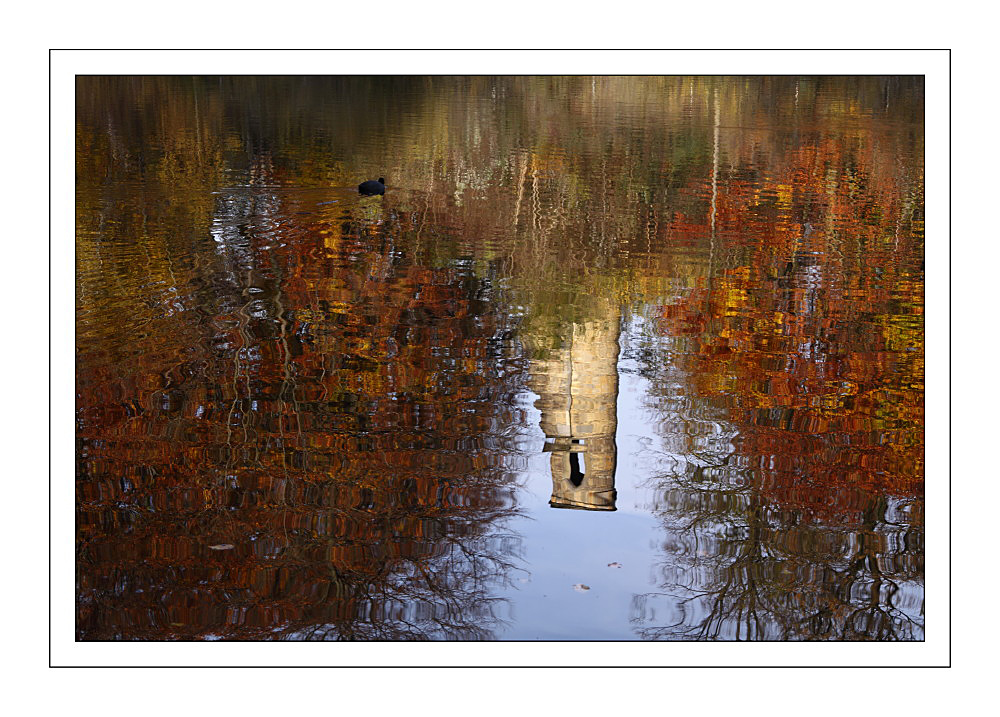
632 358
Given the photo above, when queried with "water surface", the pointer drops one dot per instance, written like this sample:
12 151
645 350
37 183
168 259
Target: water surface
612 358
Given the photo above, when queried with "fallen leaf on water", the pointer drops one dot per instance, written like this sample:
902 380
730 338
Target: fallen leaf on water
221 546
614 565
580 587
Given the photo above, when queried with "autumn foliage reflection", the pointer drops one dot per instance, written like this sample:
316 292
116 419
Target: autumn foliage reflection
319 483
793 486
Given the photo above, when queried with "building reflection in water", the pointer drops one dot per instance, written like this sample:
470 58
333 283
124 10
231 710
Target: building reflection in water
577 384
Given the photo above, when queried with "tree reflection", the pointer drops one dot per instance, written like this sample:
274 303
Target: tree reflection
302 474
743 568
793 431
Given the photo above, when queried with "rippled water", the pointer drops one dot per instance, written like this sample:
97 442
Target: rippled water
612 358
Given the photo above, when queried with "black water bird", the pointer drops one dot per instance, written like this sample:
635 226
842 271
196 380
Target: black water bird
372 187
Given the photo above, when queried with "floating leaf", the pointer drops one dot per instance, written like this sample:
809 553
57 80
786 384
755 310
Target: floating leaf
221 546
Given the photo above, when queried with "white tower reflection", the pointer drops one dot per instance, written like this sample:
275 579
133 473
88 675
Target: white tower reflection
577 384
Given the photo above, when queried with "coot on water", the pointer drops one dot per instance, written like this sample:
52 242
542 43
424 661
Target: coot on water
372 187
